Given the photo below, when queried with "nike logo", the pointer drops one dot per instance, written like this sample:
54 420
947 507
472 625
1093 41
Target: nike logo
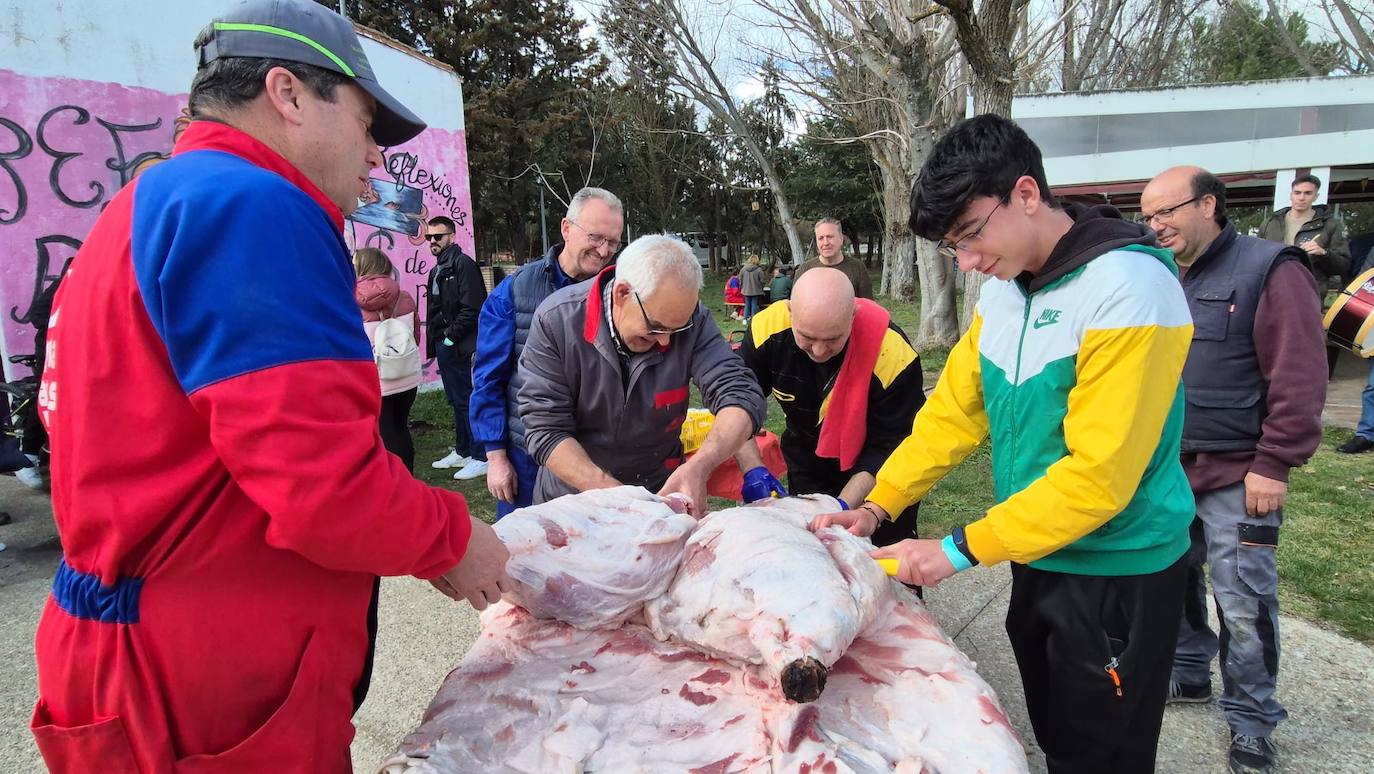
1047 317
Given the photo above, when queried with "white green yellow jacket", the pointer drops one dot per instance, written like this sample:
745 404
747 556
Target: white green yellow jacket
1079 385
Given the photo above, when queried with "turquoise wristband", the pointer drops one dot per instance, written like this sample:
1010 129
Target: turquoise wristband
954 555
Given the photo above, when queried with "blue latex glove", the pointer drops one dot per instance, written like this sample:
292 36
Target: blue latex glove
759 484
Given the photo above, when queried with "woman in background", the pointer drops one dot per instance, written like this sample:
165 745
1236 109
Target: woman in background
380 297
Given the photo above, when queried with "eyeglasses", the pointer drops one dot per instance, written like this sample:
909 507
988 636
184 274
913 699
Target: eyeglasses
950 249
656 331
596 239
1166 214
437 237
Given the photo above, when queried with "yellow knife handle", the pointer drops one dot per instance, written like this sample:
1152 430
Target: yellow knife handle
889 566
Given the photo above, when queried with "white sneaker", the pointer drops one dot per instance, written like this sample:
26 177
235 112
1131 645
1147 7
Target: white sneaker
30 477
474 469
453 460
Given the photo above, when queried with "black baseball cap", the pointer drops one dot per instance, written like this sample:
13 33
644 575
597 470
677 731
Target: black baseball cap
309 33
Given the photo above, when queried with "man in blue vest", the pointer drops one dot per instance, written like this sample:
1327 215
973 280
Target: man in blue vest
1253 413
591 237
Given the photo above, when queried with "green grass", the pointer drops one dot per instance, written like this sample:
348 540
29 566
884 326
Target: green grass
1326 551
1326 548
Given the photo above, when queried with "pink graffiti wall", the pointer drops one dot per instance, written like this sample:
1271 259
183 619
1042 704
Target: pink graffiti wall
67 146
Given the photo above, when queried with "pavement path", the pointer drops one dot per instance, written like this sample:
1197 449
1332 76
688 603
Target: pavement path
1328 680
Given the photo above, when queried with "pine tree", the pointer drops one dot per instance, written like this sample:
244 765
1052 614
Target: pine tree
527 75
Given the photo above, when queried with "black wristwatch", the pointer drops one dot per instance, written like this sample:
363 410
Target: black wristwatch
961 543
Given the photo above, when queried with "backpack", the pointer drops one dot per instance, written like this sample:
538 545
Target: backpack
394 350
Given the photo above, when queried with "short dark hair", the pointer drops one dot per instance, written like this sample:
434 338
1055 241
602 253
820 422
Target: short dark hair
443 220
1308 178
1207 184
982 156
231 82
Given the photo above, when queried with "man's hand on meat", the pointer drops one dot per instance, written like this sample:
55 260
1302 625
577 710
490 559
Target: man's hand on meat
689 480
732 426
862 521
919 562
481 577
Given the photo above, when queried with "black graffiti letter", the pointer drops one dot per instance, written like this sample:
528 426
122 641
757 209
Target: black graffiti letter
118 163
376 238
42 279
62 157
23 146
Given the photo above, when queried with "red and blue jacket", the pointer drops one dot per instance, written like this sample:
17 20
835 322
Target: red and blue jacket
221 490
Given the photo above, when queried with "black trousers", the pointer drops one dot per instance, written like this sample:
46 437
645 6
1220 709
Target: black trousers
1066 631
394 424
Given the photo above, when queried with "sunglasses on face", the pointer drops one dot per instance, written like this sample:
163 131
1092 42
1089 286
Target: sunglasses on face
654 330
437 237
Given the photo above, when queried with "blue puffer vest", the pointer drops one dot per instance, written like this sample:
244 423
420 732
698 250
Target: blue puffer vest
533 283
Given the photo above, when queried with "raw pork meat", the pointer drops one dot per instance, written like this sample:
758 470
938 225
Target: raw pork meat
535 696
759 614
592 559
755 585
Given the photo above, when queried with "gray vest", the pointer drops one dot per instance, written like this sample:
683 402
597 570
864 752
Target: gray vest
1225 390
533 283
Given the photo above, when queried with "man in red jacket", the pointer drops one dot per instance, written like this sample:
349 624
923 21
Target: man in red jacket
222 494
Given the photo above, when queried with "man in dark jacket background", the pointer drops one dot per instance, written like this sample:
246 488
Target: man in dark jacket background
1253 414
455 297
1320 234
1313 229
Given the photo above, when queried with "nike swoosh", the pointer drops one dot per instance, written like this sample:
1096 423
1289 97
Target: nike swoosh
1038 324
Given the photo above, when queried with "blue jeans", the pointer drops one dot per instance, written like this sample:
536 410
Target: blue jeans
752 305
1366 426
455 369
525 471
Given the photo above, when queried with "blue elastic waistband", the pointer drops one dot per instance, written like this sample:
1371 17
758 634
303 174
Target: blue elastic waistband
83 596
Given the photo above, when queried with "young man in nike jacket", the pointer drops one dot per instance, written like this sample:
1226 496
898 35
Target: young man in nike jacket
1072 365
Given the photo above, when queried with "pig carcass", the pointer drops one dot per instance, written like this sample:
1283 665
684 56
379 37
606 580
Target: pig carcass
593 559
701 675
755 585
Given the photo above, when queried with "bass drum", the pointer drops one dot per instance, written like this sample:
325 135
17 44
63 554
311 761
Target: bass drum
1349 322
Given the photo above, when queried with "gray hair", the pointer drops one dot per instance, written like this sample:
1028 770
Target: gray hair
585 195
649 259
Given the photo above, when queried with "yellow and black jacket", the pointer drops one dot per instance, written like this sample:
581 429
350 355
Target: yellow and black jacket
802 388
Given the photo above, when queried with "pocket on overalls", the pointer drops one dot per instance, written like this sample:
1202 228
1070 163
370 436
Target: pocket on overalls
290 739
1256 557
80 748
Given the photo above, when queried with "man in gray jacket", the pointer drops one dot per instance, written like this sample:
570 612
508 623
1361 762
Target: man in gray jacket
606 371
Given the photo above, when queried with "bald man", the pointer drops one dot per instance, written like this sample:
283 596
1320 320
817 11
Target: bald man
1253 414
830 358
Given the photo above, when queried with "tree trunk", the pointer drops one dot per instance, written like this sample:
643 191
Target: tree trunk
939 321
908 261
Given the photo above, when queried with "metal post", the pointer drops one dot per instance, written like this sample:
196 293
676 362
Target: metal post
543 219
343 8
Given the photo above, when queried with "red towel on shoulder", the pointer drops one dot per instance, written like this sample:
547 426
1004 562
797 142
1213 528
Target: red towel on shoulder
846 423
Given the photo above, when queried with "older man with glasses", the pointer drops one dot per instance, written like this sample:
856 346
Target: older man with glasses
606 379
591 237
1254 413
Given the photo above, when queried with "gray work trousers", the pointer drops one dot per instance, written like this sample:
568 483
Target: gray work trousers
1240 553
